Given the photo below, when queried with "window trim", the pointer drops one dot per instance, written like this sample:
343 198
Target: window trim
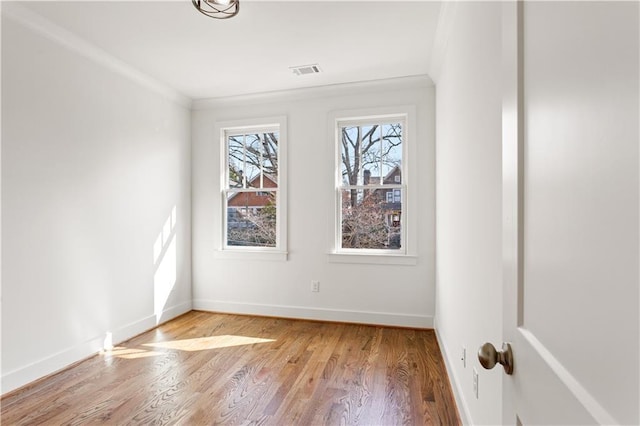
229 128
408 255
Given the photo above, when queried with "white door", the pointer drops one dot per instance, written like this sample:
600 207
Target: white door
571 203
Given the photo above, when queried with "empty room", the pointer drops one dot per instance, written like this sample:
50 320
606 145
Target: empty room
320 212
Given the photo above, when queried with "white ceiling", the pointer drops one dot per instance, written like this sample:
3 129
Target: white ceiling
201 57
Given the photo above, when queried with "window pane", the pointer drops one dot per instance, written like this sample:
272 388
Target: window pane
371 155
253 160
270 158
361 155
349 152
251 219
392 153
235 149
261 159
369 220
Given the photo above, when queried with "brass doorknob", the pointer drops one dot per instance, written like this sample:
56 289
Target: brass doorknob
489 357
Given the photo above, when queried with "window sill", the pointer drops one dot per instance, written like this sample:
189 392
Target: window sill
377 259
251 255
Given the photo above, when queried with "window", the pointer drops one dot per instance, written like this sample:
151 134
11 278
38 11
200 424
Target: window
253 182
370 154
394 196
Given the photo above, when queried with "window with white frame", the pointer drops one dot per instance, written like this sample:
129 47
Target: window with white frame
370 157
252 187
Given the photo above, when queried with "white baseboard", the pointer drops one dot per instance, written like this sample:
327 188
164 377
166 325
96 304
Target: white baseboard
320 314
169 314
463 408
60 360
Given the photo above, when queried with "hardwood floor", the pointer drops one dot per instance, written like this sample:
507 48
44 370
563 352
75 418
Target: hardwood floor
205 368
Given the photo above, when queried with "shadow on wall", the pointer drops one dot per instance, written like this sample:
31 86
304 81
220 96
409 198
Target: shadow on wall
165 265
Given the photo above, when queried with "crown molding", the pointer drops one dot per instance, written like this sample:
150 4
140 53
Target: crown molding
446 19
343 89
69 40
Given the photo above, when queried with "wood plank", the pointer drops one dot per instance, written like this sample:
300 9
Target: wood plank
206 368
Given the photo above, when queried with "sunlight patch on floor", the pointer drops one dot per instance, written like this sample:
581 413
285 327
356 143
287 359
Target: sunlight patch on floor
127 353
188 345
206 343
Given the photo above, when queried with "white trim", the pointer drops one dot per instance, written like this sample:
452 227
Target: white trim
365 120
250 253
372 258
333 90
374 186
69 40
454 380
223 129
597 411
251 189
62 359
316 314
444 29
408 114
166 315
512 155
238 130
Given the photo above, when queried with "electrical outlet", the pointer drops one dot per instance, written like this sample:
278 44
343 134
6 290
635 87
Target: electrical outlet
475 382
463 358
315 286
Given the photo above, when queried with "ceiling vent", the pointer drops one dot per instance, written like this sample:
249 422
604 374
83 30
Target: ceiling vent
305 69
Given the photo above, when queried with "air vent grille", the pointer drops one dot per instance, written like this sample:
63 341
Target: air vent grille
305 69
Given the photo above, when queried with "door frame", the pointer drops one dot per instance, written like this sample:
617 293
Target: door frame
512 186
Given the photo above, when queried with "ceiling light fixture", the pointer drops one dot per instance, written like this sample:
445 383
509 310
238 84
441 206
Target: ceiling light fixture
219 9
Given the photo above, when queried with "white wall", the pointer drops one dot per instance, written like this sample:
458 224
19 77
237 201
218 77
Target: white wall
469 204
93 164
384 294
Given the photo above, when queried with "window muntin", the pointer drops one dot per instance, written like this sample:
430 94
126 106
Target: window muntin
369 190
252 204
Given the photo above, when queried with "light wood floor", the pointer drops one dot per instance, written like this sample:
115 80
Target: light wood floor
205 368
